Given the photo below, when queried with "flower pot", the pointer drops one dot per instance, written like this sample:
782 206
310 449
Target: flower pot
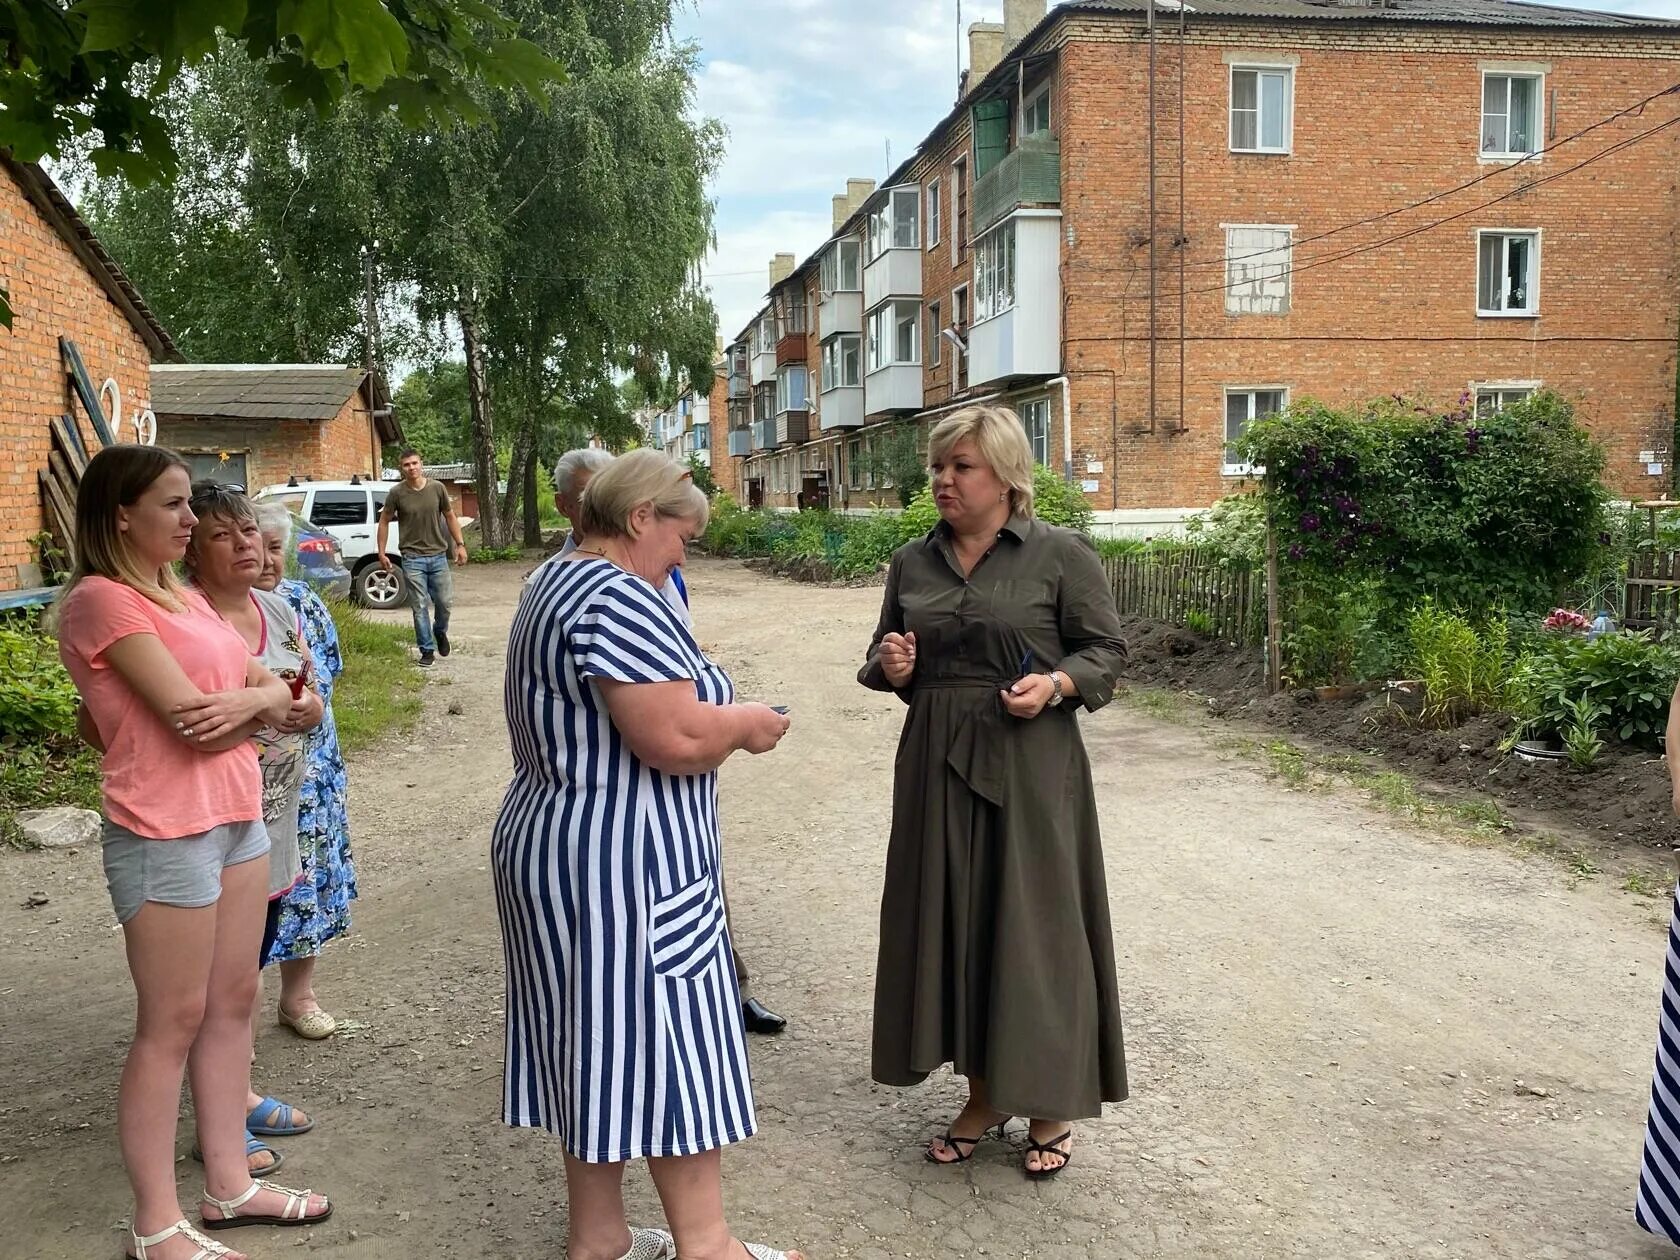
1346 691
1539 752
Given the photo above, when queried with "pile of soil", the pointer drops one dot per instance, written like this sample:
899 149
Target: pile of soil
1624 798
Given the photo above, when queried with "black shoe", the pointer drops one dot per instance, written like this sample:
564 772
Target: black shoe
443 643
425 659
761 1019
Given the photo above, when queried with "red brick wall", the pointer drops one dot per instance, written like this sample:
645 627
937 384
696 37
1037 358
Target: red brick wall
274 450
725 471
1395 319
52 295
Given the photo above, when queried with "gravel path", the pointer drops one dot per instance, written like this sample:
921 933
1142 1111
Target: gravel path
1348 1038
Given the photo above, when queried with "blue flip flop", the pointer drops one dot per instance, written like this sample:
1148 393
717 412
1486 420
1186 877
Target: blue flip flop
253 1144
272 1109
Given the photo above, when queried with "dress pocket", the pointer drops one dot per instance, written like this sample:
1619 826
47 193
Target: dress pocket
686 927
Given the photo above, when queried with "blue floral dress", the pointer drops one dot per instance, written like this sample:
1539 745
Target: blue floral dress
318 908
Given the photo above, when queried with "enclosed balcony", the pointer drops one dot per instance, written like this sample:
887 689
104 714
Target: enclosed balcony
764 351
842 408
1017 328
740 372
893 273
793 427
790 344
840 313
740 442
764 435
1028 176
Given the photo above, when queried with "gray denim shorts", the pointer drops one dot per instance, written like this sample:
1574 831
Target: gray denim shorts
183 872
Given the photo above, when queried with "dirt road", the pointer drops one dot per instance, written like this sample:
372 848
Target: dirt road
1347 1038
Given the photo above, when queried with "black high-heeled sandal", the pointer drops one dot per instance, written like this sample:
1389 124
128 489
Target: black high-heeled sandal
955 1143
1052 1147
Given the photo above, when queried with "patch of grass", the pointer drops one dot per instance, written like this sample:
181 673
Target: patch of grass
1164 706
1242 745
1644 884
40 775
1582 865
1396 793
1288 763
1480 815
494 555
379 691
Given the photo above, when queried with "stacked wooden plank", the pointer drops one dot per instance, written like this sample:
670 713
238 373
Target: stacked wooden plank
68 457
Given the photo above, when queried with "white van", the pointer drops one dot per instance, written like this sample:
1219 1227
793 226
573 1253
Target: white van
349 511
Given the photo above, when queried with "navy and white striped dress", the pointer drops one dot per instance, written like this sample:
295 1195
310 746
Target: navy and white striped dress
1658 1205
624 1032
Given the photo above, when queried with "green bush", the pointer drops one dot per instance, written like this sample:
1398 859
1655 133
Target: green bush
1629 676
1235 527
1335 635
1057 502
1463 669
37 698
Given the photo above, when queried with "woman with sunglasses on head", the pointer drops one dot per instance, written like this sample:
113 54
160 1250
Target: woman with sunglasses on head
172 697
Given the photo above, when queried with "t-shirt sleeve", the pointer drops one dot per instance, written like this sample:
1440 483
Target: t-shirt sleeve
100 613
626 633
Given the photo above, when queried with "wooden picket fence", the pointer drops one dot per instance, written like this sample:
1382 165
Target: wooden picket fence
1171 585
1651 593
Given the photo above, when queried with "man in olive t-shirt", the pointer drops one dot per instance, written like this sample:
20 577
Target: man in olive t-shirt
426 524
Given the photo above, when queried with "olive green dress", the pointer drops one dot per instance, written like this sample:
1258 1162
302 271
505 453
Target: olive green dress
996 950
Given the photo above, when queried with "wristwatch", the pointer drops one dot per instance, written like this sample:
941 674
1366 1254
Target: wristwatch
1055 689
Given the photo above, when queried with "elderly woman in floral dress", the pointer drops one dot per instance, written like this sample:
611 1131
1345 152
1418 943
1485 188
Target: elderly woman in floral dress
318 909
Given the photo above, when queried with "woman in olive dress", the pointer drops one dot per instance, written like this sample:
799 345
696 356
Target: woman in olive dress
996 952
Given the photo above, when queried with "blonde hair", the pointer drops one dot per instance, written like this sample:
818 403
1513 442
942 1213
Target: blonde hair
1001 439
644 476
116 478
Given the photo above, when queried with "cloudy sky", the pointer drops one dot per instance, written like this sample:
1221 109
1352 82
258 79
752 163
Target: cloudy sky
814 91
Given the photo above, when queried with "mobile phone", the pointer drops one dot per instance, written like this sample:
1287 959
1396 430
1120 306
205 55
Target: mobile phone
1027 663
779 708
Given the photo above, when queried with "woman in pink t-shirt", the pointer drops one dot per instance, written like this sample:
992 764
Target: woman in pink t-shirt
172 696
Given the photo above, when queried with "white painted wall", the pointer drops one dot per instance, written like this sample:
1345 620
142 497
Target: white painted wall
896 273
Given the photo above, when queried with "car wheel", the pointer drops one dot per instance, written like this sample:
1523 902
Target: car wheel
380 588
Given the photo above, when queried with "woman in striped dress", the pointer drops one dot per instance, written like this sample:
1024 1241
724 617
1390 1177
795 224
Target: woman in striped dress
624 1033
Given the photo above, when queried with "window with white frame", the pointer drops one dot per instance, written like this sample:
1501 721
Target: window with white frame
840 270
1507 273
935 196
959 321
1511 115
854 464
1035 419
994 272
1242 408
840 357
959 208
1495 396
793 388
935 342
1262 103
702 437
896 222
1035 113
895 335
1257 267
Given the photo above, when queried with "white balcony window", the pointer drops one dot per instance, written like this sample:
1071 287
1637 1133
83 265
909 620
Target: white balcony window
1035 419
1262 105
841 358
1035 113
1508 273
994 272
1511 115
1243 406
842 271
793 389
895 335
896 222
1257 266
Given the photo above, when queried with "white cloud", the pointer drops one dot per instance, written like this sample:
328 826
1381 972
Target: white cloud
738 273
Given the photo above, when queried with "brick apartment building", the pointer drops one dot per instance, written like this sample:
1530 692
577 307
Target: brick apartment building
1143 227
61 283
685 430
258 424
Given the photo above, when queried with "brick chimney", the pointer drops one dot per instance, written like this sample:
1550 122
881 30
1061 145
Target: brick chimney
985 50
846 203
781 267
1019 17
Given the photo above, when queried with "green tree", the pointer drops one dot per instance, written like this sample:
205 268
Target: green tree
895 458
432 402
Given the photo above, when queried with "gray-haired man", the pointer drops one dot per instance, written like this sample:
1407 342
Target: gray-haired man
571 475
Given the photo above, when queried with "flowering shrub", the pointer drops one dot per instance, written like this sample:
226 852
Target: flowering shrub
1408 503
1567 620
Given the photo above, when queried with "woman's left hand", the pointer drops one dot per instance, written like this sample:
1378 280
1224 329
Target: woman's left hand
1028 696
219 713
305 714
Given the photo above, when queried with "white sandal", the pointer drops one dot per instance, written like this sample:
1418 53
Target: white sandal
650 1244
208 1248
758 1251
294 1213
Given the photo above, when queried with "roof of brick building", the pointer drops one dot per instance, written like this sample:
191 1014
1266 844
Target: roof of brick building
1461 12
264 391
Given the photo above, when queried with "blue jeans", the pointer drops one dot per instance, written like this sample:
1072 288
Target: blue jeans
429 579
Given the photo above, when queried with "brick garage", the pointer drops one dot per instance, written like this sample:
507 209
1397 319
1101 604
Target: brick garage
261 424
62 284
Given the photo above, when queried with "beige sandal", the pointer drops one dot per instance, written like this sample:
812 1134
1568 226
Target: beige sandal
294 1213
314 1025
758 1251
208 1248
650 1244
